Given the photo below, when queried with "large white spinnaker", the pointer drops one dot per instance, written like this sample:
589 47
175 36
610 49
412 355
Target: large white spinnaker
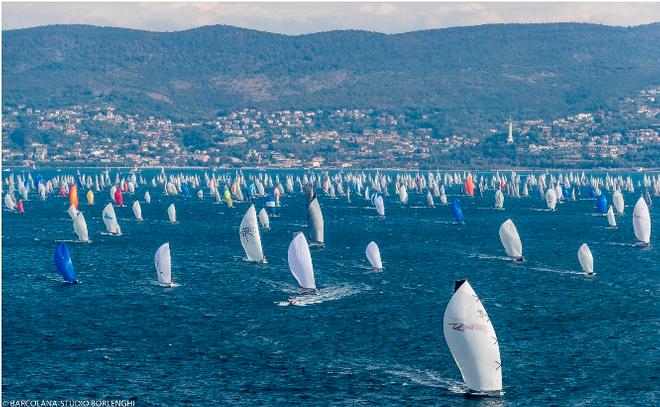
315 220
249 234
586 259
551 199
472 341
110 220
263 219
373 255
642 221
511 240
80 227
163 263
72 212
137 210
610 217
300 262
617 200
499 199
171 213
380 205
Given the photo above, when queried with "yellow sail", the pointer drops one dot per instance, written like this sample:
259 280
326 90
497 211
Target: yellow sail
90 197
228 198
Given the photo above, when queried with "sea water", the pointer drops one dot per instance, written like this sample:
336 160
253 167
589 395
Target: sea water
373 338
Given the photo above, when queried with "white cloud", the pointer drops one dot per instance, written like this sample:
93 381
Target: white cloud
298 18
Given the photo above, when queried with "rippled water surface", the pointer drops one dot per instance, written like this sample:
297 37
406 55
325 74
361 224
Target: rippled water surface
374 338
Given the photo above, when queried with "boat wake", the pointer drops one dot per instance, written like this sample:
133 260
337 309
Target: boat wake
325 294
172 285
489 257
621 244
558 271
423 378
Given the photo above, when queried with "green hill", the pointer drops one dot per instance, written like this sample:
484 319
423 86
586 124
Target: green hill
468 75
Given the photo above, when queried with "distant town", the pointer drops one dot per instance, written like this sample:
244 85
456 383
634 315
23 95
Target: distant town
626 135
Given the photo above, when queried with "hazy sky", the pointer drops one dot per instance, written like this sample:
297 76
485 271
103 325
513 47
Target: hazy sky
299 18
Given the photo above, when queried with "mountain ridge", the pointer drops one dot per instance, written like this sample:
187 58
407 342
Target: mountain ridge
477 74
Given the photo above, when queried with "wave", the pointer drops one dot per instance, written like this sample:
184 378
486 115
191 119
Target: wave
490 257
421 377
325 294
559 271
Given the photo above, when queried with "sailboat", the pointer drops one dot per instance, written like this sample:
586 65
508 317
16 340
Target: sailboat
80 227
373 255
617 199
72 212
586 259
457 212
64 264
642 222
119 198
250 238
110 220
137 210
380 205
601 204
610 217
511 240
73 195
315 220
9 202
90 197
263 219
499 199
300 263
171 213
472 341
551 199
163 263
147 197
429 198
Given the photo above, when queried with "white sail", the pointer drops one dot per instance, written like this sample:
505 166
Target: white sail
586 259
315 221
373 255
112 193
171 213
499 199
80 227
300 262
380 205
551 199
163 263
72 212
147 197
263 219
429 198
511 240
642 221
617 199
610 217
249 234
110 220
137 210
472 341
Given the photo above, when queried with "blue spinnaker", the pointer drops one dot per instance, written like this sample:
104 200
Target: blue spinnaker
601 203
592 192
456 211
64 265
185 191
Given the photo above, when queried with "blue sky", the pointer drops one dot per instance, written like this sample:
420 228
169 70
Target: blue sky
301 18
